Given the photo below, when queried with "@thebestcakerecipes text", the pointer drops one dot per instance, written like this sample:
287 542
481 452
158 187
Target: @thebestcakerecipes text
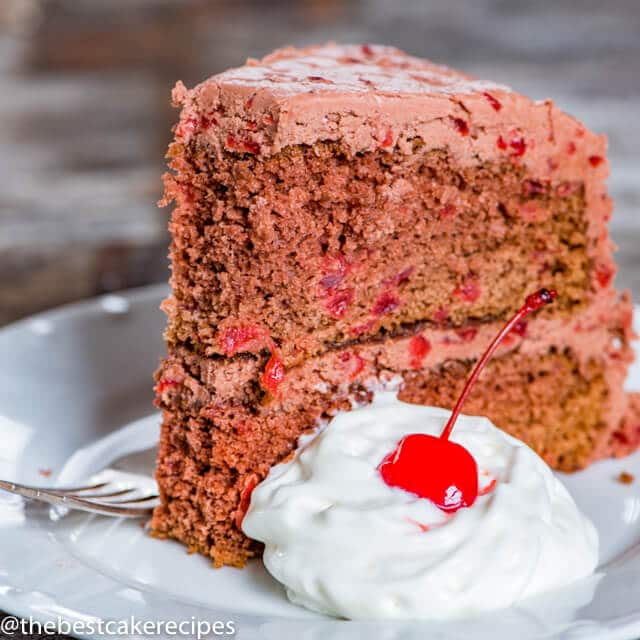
190 627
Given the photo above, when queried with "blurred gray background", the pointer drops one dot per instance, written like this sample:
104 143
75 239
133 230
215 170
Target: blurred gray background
84 106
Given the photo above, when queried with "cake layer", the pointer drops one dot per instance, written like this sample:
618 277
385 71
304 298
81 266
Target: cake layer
473 200
337 249
221 434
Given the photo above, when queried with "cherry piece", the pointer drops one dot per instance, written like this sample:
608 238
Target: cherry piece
245 499
468 334
273 374
595 161
252 338
604 275
335 268
493 101
519 146
441 315
387 141
247 145
358 330
520 328
164 384
469 290
244 338
419 348
620 437
401 277
353 363
448 211
386 303
186 127
489 488
461 125
436 468
338 304
189 126
250 146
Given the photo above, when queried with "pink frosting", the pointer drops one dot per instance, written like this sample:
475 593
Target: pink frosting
600 333
370 97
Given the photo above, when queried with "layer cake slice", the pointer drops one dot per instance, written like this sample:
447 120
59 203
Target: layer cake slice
350 218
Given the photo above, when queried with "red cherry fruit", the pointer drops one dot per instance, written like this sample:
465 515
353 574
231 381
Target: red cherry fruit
436 468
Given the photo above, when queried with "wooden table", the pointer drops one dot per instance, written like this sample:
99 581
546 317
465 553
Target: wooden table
84 106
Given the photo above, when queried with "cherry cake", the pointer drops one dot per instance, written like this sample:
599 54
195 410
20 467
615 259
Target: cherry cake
350 218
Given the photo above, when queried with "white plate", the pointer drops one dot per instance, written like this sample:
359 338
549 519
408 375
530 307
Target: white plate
77 381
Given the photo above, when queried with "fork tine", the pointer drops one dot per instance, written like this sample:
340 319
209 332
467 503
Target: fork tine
101 508
76 490
113 494
134 500
108 509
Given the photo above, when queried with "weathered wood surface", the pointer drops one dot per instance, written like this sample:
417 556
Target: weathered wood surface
85 115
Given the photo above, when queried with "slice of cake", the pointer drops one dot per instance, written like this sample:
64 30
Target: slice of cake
350 218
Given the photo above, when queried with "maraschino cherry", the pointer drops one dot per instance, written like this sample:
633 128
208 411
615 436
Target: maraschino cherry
436 468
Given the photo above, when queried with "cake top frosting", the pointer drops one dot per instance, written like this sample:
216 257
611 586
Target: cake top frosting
364 69
373 97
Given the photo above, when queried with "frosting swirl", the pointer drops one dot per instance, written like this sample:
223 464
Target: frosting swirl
345 543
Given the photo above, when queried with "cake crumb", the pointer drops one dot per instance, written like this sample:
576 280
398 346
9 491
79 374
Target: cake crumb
626 478
45 473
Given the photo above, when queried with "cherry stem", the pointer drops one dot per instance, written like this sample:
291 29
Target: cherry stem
532 303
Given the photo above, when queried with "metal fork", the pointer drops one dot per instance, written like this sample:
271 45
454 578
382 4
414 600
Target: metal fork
111 493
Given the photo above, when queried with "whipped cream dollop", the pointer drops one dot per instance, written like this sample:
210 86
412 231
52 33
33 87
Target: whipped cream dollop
346 544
